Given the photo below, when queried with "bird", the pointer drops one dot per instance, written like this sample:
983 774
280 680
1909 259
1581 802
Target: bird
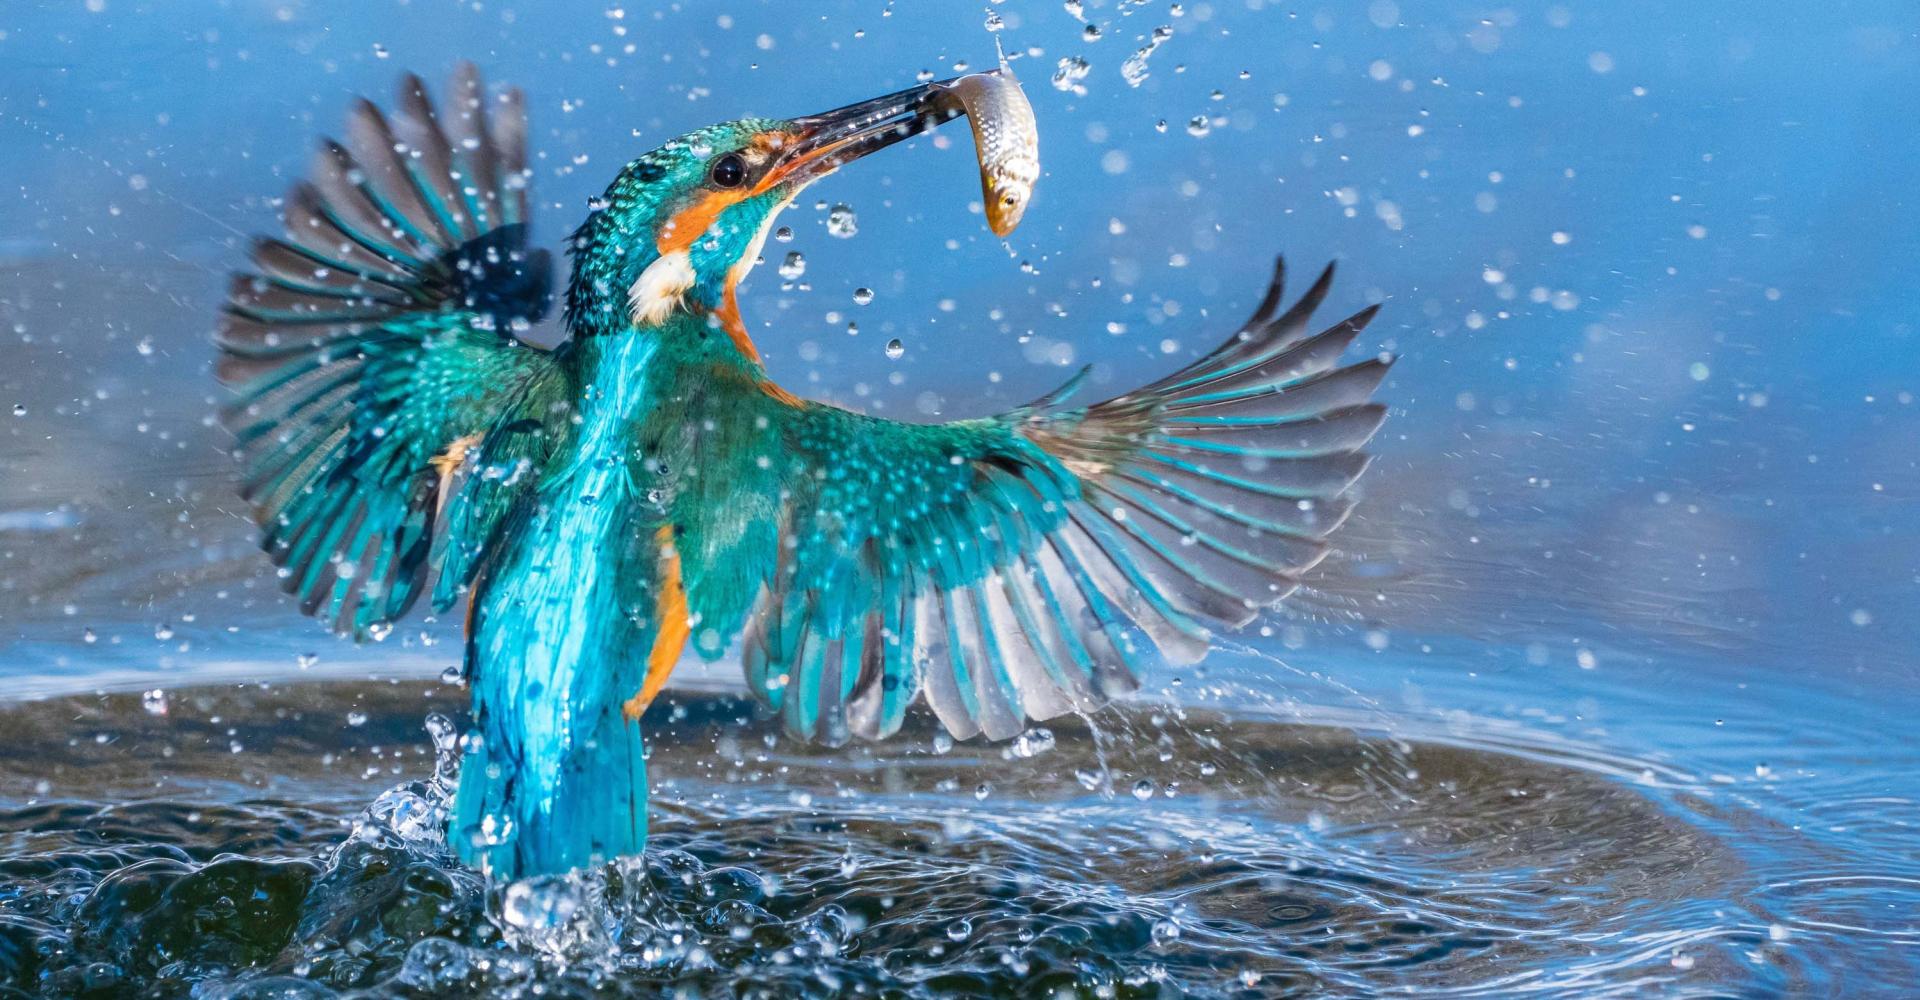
603 473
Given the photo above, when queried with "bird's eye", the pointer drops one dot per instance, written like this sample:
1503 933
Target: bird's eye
729 171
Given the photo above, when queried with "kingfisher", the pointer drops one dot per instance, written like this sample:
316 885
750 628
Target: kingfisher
604 474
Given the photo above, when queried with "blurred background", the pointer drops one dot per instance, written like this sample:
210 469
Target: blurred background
1651 485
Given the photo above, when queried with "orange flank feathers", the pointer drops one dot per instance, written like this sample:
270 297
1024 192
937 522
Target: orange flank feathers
670 612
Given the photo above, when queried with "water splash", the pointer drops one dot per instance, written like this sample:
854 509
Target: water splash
1134 70
1068 75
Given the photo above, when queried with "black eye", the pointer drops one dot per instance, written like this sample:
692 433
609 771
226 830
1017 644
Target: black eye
729 171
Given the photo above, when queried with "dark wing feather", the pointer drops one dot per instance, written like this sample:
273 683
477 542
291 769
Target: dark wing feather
373 354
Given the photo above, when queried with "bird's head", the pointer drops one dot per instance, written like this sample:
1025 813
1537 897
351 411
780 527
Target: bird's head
681 225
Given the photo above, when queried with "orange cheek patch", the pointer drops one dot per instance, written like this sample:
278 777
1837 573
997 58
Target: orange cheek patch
692 222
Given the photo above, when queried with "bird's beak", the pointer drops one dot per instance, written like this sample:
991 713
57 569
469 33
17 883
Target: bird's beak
819 144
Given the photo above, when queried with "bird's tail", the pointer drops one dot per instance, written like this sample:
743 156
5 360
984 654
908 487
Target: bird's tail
524 809
552 776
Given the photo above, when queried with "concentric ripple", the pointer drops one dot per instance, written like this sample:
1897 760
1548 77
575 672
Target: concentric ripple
224 849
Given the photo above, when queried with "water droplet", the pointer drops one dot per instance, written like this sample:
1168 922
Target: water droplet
960 930
163 631
154 701
537 903
19 409
1143 789
793 266
380 51
453 676
1033 742
783 235
1091 32
307 660
436 965
895 349
994 23
1198 126
356 719
862 296
1134 70
1068 74
841 222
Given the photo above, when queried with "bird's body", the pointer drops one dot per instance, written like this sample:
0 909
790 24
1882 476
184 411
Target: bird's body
644 486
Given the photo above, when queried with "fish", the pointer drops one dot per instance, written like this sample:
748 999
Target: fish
1006 140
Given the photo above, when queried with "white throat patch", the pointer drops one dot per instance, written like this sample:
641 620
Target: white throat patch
657 292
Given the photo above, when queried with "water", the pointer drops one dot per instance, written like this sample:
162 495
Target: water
1609 692
1257 854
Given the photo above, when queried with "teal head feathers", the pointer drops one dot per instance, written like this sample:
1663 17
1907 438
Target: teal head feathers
681 225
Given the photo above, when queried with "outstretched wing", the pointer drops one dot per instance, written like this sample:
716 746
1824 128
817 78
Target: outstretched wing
1003 567
373 352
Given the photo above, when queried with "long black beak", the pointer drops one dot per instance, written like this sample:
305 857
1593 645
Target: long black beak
822 143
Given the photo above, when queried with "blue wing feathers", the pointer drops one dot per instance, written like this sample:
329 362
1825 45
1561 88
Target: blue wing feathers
1022 553
370 340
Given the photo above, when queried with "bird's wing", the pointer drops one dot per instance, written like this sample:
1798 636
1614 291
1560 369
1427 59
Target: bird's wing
374 354
1003 567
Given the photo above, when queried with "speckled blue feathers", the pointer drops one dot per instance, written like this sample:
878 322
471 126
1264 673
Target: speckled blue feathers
1005 569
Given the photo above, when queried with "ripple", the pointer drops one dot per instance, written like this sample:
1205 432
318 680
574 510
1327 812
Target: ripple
145 854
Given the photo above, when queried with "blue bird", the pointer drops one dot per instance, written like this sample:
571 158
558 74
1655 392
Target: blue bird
602 495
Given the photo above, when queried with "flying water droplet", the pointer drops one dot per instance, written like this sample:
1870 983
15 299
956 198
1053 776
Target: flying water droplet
1068 74
783 235
1135 68
793 266
862 295
895 349
1143 789
1199 126
1033 742
841 222
154 701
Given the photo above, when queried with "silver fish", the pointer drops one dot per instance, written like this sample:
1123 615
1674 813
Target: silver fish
1006 139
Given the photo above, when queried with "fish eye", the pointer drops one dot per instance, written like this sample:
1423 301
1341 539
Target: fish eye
729 171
